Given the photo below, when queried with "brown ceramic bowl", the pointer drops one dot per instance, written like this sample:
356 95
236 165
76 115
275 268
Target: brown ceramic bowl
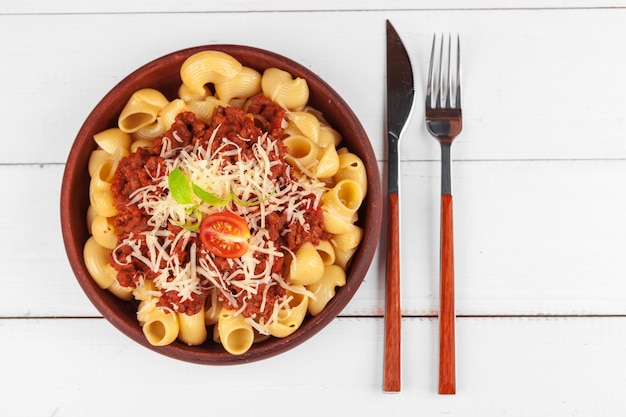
163 74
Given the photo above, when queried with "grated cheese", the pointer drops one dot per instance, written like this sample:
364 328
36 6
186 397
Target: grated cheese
247 179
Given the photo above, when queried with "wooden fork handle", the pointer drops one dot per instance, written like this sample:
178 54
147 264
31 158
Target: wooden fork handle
447 354
393 315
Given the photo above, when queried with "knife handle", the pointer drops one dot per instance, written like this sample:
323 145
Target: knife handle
393 315
447 354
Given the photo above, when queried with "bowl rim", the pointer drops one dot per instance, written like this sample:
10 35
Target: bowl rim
101 299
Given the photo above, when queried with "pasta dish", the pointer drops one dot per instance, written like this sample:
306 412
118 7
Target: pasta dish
227 214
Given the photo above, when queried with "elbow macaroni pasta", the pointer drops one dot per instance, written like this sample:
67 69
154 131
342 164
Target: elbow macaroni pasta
246 83
208 67
103 231
113 141
100 193
307 266
160 327
324 290
234 333
313 272
97 263
290 317
283 89
192 329
142 109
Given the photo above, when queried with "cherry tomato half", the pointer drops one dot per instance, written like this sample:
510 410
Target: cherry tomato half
225 234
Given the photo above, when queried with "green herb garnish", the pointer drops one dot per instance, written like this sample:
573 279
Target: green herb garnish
183 192
242 203
179 187
208 197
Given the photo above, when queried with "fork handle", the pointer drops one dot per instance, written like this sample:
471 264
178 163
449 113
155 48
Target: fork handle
447 355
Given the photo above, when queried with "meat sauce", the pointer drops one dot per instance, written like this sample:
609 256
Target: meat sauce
142 167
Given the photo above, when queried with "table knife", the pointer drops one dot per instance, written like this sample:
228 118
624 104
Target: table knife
400 94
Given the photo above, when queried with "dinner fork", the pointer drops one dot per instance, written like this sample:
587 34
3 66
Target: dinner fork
444 121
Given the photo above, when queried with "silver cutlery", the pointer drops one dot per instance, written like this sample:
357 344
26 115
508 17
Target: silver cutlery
400 94
444 121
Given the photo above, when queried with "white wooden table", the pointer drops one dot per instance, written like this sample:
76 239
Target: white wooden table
540 203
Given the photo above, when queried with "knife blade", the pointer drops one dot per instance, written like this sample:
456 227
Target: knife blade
400 97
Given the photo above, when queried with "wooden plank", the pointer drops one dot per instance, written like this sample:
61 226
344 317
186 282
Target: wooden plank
531 237
161 6
544 112
33 265
513 367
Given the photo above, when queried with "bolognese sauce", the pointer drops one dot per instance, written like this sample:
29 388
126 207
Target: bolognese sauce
158 239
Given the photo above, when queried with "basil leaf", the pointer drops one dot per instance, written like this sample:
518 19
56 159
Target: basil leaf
208 197
193 227
242 203
179 187
193 209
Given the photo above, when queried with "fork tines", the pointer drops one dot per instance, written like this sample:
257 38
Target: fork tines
440 77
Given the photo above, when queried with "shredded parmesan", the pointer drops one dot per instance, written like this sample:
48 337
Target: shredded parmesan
248 180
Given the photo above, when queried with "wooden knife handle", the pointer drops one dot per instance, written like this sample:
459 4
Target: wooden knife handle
393 315
447 354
